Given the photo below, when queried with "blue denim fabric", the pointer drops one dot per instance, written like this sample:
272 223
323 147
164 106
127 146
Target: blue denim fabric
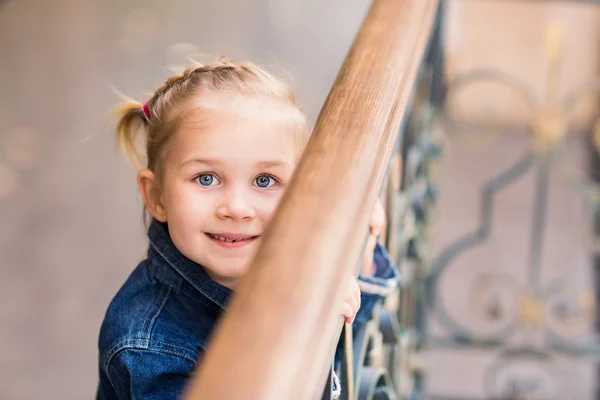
160 321
376 287
158 324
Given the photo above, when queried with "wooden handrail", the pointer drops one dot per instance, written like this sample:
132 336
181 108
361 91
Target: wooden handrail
277 337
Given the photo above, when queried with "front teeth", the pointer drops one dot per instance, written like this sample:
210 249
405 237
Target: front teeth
222 239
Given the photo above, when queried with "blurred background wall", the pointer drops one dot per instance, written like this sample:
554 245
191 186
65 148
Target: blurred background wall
511 36
70 216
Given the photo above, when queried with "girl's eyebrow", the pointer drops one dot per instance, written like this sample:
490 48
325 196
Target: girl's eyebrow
206 161
273 163
213 162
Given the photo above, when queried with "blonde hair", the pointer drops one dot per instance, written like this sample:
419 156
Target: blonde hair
160 117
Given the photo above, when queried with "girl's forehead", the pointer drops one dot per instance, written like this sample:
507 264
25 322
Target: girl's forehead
221 109
231 136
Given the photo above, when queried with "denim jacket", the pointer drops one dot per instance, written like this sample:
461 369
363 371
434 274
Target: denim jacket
158 324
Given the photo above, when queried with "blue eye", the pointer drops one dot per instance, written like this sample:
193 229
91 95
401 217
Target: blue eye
264 181
206 179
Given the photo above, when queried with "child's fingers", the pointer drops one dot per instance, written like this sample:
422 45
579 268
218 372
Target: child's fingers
378 220
348 313
352 301
377 226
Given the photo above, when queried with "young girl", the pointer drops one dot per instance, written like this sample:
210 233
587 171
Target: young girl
222 141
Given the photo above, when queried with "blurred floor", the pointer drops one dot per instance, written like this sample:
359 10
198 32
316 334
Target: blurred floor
71 230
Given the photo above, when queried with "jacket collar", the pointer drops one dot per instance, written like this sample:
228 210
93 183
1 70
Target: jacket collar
163 248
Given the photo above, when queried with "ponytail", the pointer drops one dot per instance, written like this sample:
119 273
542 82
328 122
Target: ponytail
130 114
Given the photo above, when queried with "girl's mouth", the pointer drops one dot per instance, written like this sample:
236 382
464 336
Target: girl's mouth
229 240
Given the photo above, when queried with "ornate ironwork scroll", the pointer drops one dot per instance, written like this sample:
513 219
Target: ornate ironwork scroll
548 317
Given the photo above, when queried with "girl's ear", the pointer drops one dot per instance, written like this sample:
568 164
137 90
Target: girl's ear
147 184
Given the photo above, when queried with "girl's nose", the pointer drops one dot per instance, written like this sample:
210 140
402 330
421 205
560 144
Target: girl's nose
235 206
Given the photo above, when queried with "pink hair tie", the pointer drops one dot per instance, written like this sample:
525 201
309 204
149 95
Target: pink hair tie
146 111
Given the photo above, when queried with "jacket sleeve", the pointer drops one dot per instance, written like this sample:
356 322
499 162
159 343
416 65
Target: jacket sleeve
374 288
148 374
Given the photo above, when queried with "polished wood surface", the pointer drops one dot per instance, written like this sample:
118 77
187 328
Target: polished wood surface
278 335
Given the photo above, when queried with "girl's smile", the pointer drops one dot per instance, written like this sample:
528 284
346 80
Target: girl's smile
232 240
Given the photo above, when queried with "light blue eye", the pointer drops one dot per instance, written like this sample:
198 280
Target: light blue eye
206 179
264 181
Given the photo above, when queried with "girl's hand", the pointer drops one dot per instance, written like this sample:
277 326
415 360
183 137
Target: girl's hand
352 301
377 225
